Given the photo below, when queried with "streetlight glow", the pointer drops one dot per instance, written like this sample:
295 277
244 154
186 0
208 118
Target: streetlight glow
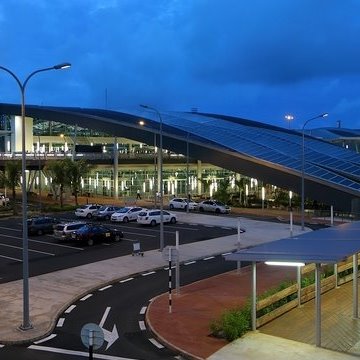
26 325
303 168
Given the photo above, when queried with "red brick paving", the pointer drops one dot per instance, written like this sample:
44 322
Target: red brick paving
187 327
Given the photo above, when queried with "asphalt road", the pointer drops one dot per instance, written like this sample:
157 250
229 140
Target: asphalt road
47 254
120 310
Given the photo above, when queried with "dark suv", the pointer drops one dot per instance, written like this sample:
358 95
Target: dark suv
41 225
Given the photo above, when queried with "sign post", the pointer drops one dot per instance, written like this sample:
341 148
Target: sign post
92 336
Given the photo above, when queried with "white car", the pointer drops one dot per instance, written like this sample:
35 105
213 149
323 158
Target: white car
126 214
153 217
214 206
182 203
87 211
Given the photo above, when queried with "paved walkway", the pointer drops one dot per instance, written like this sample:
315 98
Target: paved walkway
51 294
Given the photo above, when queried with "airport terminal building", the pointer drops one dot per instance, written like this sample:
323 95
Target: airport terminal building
199 151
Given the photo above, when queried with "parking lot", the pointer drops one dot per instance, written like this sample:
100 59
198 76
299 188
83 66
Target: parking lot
46 253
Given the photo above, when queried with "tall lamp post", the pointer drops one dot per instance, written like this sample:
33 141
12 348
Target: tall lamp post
160 159
303 168
26 325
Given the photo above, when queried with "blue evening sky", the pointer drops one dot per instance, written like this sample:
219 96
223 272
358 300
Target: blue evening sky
256 59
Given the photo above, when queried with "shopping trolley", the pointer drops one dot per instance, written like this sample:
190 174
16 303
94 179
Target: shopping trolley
137 249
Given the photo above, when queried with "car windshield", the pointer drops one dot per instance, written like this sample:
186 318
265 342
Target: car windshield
102 208
123 210
143 213
219 203
59 227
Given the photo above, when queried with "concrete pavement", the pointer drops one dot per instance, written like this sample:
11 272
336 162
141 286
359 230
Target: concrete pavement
51 294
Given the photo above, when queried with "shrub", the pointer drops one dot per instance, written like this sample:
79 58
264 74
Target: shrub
233 323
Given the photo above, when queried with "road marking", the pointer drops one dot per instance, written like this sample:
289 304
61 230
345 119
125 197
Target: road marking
77 353
148 273
60 322
105 288
45 339
156 343
209 257
226 228
12 229
190 262
126 280
228 253
70 309
209 226
142 325
143 310
167 268
86 297
53 244
36 251
10 258
106 313
1 346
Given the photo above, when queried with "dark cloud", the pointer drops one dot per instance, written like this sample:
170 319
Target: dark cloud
257 59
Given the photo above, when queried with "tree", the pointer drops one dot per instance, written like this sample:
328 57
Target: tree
76 170
11 178
222 193
60 177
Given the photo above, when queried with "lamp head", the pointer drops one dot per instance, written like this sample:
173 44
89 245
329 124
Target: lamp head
62 66
324 115
144 106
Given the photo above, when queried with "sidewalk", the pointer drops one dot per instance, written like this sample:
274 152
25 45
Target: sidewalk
51 294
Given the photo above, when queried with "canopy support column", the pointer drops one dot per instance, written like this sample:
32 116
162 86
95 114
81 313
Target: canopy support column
355 287
318 305
253 297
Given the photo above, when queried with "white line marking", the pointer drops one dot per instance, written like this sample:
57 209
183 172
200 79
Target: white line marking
10 258
106 313
228 253
190 262
156 343
142 325
86 297
126 280
143 310
105 288
209 257
36 251
77 353
70 309
13 229
60 322
226 228
54 244
148 273
209 226
45 339
167 268
1 346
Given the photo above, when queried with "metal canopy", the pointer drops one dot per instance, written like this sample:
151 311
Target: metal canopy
325 246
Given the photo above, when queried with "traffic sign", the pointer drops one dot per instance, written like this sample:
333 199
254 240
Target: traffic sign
92 335
174 253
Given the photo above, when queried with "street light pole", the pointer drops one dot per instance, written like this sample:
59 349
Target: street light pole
303 169
160 176
26 325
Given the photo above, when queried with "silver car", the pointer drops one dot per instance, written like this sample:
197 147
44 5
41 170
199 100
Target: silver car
63 231
214 206
126 214
105 212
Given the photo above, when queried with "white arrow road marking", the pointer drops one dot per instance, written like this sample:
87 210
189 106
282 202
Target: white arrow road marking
109 336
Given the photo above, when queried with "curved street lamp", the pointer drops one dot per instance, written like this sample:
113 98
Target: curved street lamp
26 325
303 168
160 175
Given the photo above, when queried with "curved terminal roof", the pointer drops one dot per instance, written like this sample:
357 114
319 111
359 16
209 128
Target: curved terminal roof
268 153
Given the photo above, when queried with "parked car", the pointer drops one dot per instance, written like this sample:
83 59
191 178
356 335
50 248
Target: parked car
105 212
214 206
87 211
127 214
153 217
182 203
91 233
63 231
41 225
